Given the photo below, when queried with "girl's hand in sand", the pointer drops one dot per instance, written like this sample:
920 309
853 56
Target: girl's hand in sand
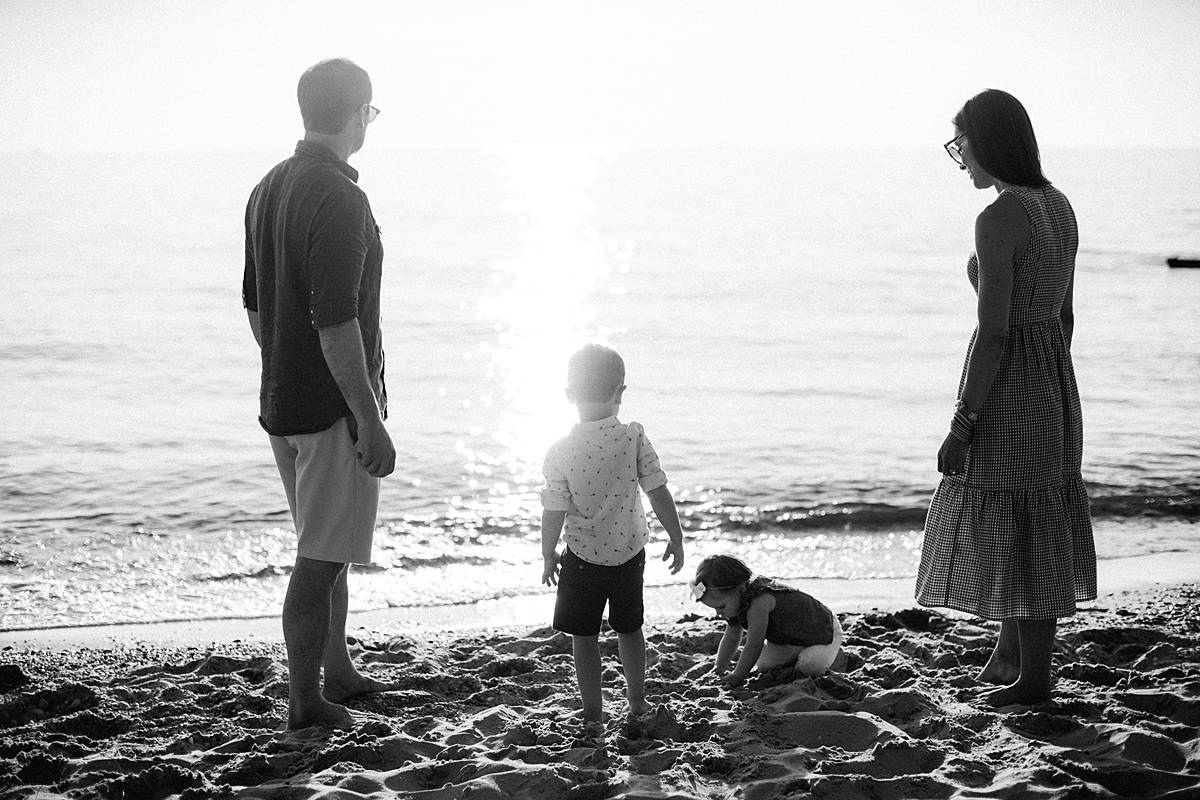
952 456
674 552
550 569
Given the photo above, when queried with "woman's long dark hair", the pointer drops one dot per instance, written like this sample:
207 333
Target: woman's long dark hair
1001 138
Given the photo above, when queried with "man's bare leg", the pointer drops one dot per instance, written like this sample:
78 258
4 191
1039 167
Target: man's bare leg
306 614
342 679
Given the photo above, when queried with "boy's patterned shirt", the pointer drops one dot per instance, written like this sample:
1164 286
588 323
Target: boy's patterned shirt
593 475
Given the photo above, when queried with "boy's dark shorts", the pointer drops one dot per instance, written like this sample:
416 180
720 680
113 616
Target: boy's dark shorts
584 588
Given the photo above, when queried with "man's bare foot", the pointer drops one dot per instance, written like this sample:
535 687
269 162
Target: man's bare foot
339 691
640 709
999 671
1018 694
325 714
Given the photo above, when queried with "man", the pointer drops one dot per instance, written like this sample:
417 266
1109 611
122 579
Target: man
311 290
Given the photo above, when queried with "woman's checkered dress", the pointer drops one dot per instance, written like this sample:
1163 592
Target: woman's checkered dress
1011 537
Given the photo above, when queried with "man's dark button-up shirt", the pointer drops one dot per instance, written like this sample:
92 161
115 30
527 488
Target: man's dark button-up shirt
313 259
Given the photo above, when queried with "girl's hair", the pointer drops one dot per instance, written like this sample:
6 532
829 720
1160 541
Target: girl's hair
1001 138
722 572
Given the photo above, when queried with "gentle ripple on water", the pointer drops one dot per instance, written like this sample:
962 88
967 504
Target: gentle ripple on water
792 368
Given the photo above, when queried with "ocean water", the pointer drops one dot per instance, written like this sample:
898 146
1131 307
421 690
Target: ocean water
793 321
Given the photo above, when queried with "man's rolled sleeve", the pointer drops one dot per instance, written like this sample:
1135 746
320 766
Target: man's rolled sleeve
650 473
556 494
337 252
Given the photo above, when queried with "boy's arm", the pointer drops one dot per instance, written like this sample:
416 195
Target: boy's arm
756 636
552 524
664 508
729 643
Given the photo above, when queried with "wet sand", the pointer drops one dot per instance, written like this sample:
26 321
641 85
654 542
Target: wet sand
486 714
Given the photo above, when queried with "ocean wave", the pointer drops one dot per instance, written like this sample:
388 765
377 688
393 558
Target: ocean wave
867 516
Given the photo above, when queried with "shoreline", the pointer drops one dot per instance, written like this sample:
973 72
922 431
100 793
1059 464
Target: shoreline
491 716
663 604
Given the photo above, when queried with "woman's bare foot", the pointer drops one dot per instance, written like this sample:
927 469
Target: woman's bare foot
999 671
1021 693
339 691
324 714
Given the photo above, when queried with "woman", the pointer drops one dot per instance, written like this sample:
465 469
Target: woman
1009 533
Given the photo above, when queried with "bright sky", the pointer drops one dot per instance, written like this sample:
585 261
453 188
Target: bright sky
156 74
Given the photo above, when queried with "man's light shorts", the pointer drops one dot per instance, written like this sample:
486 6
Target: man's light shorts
332 496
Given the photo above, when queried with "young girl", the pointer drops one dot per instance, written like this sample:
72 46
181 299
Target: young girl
782 625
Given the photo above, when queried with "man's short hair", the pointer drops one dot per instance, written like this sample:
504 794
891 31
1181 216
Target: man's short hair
594 373
329 92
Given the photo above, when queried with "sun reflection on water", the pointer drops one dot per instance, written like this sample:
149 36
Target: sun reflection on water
541 308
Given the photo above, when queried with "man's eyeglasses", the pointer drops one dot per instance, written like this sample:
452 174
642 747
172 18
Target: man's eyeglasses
372 113
954 149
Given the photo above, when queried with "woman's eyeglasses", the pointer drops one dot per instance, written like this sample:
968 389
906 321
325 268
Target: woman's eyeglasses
954 149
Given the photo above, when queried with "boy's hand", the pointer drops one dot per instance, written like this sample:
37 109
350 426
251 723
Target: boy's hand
550 569
674 551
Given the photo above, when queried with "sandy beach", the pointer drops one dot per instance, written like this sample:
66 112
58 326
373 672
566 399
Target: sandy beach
485 713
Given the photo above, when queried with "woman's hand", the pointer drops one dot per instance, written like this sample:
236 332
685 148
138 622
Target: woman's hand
953 455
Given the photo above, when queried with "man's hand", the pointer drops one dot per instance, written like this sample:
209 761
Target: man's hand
952 456
550 569
674 551
374 449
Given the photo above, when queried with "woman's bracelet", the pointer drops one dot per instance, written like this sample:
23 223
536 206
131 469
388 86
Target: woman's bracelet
962 424
962 428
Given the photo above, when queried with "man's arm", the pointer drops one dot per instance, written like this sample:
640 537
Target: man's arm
342 347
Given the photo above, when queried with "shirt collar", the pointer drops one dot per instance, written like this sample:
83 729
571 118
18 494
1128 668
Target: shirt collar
598 424
322 153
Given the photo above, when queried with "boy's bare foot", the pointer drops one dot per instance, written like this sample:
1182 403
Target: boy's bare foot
339 691
325 714
1027 693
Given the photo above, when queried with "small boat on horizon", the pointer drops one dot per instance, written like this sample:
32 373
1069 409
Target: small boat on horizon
1175 262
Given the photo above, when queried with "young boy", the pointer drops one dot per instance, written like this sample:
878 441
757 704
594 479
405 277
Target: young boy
592 479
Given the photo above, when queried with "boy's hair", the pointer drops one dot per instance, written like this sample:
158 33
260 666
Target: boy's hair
329 93
722 572
594 373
